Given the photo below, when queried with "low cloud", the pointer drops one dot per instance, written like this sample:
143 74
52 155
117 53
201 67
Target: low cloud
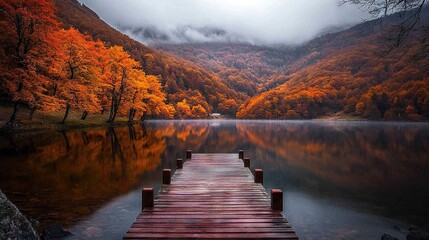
254 21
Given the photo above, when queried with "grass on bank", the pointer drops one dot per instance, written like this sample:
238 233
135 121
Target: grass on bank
52 121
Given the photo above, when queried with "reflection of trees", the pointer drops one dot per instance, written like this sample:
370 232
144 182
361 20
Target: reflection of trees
348 156
384 165
75 172
199 136
381 164
132 131
185 135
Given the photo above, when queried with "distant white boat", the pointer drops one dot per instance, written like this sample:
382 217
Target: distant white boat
216 115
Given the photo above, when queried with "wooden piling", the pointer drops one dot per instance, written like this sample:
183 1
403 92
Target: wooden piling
188 154
147 198
276 200
240 154
247 162
179 163
166 176
259 176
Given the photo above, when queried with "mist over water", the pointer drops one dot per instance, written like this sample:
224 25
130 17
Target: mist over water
342 180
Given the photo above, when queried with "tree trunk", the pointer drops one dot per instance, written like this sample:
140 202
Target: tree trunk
32 110
55 90
113 114
143 128
116 106
112 106
14 113
66 114
118 98
143 116
84 115
131 115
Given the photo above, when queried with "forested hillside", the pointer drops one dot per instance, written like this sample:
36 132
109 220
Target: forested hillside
193 91
47 68
242 66
344 73
350 72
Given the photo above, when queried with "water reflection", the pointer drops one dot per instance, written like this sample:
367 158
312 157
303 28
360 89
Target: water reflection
64 176
349 179
385 163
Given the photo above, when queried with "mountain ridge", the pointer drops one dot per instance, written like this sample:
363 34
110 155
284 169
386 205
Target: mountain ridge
312 80
316 79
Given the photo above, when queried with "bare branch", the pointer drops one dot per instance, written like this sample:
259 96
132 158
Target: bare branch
409 12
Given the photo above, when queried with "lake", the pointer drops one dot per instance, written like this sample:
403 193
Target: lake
341 180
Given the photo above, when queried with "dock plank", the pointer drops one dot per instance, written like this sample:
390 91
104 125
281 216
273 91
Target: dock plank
213 197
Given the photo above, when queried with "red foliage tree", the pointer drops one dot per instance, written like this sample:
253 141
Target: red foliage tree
26 38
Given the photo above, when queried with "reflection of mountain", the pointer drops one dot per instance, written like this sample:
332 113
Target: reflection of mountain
68 175
356 157
383 164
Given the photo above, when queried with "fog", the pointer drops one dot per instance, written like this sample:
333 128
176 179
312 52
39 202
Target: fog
253 21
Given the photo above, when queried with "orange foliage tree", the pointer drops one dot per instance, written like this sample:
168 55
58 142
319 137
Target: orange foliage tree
26 32
126 82
76 73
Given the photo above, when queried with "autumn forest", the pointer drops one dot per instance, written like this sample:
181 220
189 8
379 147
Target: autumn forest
59 56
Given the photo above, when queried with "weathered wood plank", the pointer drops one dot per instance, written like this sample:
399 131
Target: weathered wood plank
212 197
274 235
211 230
206 225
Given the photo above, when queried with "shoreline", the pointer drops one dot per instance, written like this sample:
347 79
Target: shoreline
36 128
51 122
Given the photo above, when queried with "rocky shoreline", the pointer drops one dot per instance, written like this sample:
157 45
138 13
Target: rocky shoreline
15 226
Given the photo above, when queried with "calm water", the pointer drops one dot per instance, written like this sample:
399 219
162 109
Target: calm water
342 180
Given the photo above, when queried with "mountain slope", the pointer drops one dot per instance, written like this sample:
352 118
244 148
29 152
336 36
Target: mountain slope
345 73
193 91
338 73
242 66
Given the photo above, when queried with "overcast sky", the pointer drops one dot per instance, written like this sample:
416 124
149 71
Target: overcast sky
255 21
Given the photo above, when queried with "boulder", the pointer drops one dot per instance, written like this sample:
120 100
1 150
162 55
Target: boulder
417 235
56 232
14 225
388 237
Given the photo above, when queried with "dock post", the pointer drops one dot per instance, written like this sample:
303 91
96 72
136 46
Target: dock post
188 154
276 200
247 162
179 163
240 154
166 176
259 176
147 198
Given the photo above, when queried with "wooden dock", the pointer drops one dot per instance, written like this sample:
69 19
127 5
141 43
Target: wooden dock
212 196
